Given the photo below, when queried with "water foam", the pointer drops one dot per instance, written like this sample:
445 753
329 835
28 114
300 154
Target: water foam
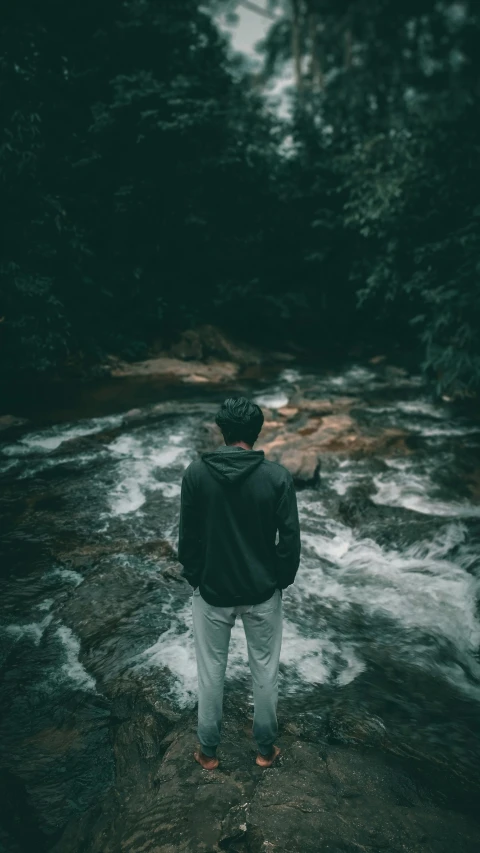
139 457
290 374
317 660
32 630
50 438
72 668
356 376
424 418
274 399
399 488
305 661
68 575
170 490
423 589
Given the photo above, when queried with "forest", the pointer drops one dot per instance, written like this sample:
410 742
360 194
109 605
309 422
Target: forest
149 186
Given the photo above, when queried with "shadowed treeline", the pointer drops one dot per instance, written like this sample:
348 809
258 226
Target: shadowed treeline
147 186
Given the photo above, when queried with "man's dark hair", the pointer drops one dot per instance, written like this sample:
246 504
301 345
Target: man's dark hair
239 420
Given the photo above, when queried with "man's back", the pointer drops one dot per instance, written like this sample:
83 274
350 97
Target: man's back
233 502
232 505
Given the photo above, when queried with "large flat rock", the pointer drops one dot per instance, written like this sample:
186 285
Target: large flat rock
316 799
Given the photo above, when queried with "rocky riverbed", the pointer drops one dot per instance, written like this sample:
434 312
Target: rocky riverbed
380 677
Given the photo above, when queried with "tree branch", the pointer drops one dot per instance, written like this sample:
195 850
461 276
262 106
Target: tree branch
258 10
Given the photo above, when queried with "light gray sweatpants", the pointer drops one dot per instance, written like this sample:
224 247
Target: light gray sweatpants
263 631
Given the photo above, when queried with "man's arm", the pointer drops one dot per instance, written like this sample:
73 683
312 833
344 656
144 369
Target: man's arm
288 546
190 543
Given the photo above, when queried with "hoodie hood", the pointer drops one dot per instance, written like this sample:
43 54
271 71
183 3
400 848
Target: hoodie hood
232 464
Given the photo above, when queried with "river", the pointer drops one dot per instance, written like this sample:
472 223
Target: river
381 628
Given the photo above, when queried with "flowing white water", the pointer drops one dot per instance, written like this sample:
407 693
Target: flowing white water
71 668
67 575
139 460
272 400
419 600
32 630
404 486
44 441
306 660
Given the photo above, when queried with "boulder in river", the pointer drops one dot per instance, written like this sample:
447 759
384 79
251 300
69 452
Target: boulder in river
297 436
321 405
304 466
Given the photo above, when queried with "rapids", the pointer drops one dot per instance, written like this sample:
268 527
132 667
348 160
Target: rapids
381 628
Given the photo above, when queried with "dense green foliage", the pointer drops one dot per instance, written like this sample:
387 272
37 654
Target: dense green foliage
147 185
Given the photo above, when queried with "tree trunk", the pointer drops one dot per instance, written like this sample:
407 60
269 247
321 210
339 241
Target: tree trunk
348 38
297 45
347 45
316 64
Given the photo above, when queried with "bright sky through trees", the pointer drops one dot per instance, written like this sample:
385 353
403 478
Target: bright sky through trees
250 29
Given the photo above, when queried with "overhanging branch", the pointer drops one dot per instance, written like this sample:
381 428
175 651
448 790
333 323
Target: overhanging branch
258 10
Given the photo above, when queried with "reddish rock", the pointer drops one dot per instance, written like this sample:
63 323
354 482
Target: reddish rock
304 465
322 406
288 412
171 369
195 377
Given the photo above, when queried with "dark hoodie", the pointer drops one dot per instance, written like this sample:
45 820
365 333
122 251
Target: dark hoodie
233 502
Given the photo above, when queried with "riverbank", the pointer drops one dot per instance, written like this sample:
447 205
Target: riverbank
205 357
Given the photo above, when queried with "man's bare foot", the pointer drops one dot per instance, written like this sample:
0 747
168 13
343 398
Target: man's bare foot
208 762
267 760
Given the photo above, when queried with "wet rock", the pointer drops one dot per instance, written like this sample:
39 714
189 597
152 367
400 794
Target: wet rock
282 356
391 527
303 465
473 483
315 798
96 611
393 371
288 412
9 845
8 422
200 355
50 770
345 800
321 406
19 829
78 554
189 346
357 726
167 409
195 377
357 505
176 369
297 439
164 801
209 342
85 443
234 829
299 449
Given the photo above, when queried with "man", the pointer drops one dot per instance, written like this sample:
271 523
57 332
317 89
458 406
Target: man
233 503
